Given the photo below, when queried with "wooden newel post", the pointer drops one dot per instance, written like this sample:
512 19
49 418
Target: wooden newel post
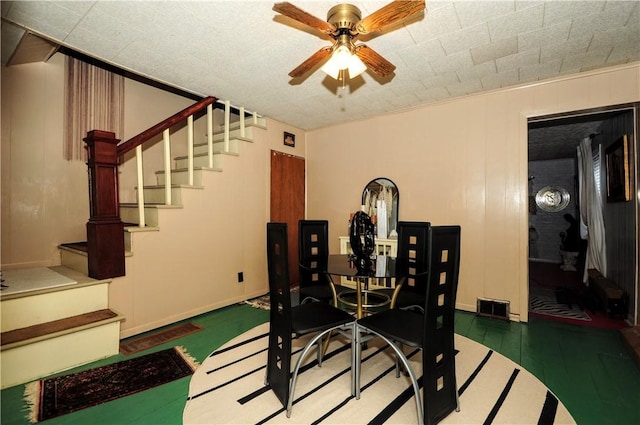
105 231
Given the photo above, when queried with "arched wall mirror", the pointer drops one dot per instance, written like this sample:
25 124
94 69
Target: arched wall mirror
380 197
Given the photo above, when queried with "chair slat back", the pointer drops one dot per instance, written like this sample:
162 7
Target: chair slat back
313 251
438 352
413 254
279 355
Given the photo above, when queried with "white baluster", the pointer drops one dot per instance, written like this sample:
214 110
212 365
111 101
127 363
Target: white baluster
141 221
255 118
167 167
242 121
210 134
190 148
227 113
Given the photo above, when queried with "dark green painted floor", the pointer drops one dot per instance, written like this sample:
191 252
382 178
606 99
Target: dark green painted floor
590 370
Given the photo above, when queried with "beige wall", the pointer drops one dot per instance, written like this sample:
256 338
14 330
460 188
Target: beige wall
44 197
463 162
191 264
145 106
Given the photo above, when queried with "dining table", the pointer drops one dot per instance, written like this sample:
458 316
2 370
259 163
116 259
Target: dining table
360 270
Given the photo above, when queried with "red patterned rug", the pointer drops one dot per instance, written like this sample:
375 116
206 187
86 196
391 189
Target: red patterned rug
64 394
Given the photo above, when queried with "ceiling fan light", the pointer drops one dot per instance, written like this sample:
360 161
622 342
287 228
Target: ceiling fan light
341 57
356 66
330 68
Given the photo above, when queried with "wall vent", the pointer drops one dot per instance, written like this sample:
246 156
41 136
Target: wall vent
498 309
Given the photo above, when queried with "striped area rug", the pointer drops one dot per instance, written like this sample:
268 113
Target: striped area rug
544 301
228 388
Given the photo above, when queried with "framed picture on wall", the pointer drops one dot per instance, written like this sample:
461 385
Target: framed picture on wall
617 163
290 139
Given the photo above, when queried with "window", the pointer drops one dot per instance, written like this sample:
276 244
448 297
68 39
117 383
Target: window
597 154
94 100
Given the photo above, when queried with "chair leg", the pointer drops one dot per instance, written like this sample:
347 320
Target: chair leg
309 300
398 365
327 341
414 379
354 329
356 348
320 352
303 354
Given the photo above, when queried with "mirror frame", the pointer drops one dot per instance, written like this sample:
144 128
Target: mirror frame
375 186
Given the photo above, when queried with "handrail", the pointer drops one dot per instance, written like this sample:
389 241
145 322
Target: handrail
105 241
139 139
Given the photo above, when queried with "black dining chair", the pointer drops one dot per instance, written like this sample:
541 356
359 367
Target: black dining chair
412 262
313 252
432 332
286 321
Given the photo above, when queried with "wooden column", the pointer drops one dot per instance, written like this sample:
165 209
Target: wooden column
105 231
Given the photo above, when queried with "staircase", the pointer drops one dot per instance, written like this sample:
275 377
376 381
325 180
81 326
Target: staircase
155 197
51 330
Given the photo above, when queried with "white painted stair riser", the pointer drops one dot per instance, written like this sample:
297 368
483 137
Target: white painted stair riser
32 310
34 361
200 160
157 195
181 176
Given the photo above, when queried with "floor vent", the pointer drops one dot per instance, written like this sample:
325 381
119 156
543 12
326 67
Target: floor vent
497 309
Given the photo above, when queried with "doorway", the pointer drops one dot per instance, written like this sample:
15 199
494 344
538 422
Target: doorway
553 169
288 201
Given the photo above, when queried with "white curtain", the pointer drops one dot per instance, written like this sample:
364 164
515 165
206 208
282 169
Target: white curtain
591 212
94 100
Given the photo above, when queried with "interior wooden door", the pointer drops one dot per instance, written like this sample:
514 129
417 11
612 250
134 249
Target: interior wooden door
287 201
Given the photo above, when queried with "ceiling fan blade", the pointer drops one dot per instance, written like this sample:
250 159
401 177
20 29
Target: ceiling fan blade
376 63
393 12
293 12
311 62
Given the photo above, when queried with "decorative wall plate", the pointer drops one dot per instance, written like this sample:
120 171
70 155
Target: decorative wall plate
552 199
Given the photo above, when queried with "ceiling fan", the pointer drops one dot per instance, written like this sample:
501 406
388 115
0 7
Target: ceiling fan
344 24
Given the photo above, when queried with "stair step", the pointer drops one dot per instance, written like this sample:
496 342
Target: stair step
129 212
41 350
181 175
248 123
218 146
218 138
75 255
48 304
22 336
76 246
202 159
156 193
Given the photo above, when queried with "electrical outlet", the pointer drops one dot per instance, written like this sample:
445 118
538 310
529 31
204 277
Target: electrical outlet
240 277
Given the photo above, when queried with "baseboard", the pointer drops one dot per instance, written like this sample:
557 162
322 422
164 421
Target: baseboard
126 333
543 260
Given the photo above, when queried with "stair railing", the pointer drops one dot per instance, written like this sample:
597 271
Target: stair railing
105 235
